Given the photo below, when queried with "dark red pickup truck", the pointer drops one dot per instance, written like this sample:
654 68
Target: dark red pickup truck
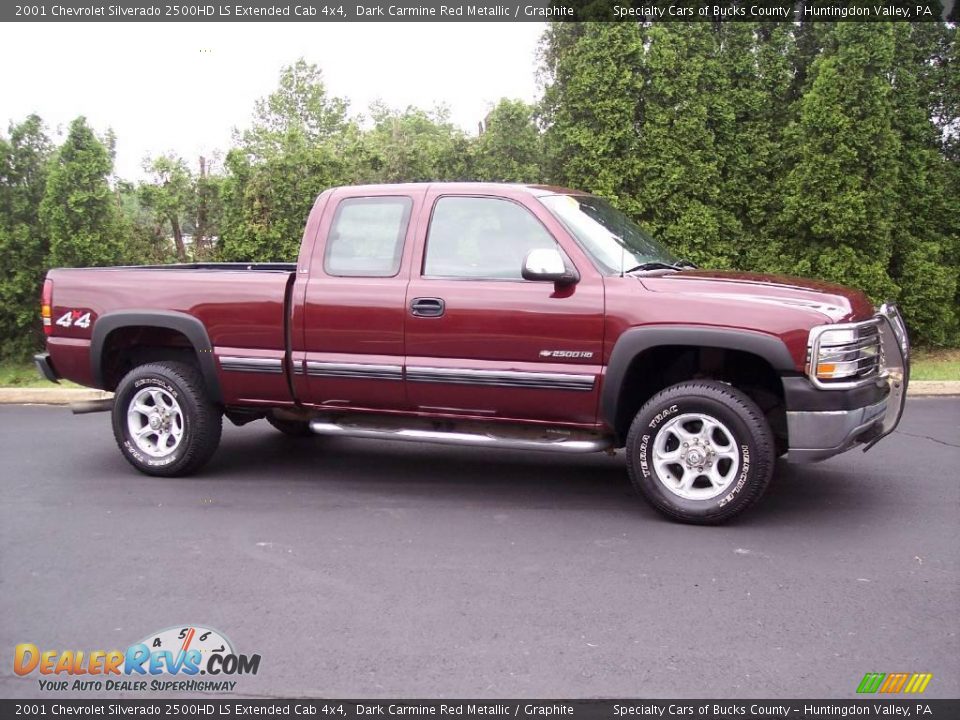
523 317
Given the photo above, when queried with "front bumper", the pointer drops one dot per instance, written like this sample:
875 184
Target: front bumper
42 361
839 422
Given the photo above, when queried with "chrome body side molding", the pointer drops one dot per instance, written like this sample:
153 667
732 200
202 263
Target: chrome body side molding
363 371
502 378
271 366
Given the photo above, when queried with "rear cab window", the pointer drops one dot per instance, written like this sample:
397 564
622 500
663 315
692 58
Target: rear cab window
366 236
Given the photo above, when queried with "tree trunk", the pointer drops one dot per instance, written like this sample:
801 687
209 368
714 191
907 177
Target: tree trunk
178 238
200 234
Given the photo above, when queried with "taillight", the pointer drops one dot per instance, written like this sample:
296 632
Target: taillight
46 306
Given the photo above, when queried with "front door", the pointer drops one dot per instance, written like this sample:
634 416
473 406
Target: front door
482 341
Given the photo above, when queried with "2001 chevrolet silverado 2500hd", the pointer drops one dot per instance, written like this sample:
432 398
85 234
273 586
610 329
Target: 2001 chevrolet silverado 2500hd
510 316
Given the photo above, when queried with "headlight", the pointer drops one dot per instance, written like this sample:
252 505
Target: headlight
844 353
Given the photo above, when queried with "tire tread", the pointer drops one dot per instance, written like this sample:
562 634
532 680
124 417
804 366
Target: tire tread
207 423
753 417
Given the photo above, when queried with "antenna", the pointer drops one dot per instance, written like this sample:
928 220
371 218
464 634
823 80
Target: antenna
623 255
623 251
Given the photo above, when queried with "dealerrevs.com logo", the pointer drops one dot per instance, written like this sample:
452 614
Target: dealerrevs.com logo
169 660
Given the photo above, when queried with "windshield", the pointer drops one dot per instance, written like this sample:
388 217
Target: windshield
614 241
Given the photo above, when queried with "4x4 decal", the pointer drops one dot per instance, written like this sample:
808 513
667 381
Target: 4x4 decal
75 318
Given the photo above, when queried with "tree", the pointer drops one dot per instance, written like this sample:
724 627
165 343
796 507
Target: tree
632 113
208 189
509 148
266 204
840 191
293 150
78 208
170 194
298 113
146 238
591 108
748 114
24 245
679 176
412 145
926 230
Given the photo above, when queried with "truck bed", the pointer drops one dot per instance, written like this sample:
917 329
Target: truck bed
240 305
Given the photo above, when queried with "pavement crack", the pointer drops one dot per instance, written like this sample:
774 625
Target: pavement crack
927 437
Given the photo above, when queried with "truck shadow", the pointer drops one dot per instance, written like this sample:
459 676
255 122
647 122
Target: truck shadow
435 473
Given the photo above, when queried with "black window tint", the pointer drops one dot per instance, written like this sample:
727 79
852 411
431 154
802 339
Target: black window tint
488 238
366 237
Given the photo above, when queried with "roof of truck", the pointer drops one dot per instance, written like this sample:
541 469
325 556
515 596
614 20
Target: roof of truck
537 190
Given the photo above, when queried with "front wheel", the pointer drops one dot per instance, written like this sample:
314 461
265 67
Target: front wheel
700 452
162 420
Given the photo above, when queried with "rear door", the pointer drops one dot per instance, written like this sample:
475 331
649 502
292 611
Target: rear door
482 341
354 301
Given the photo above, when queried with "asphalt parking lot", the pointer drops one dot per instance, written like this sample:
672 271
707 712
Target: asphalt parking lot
374 569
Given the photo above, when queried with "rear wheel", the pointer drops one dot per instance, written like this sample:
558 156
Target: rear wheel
162 420
293 428
700 452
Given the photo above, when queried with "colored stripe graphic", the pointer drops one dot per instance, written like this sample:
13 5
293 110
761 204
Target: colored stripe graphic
871 682
894 682
918 683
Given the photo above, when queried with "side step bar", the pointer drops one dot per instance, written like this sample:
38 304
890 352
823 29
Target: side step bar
484 436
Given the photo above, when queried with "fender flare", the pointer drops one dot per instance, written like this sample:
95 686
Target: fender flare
183 323
635 341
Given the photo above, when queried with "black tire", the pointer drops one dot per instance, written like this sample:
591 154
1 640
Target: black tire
202 420
293 428
744 424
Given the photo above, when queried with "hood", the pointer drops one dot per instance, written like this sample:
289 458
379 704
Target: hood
834 302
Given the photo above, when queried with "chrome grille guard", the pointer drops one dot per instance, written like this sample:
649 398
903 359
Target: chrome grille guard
895 368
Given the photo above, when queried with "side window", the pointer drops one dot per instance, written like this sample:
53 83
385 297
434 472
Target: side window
366 237
476 237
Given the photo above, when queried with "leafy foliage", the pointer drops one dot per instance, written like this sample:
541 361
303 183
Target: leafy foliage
840 194
24 161
169 195
509 147
78 208
411 146
822 149
266 202
591 110
292 151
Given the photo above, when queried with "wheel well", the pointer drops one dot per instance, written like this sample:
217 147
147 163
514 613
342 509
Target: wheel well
657 368
127 347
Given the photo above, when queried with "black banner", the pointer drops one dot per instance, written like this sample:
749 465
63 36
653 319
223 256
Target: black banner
483 11
915 707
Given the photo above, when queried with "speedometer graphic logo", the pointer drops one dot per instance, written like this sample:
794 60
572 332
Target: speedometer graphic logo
185 638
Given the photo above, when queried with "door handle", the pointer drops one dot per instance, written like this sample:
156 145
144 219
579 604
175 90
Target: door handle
427 307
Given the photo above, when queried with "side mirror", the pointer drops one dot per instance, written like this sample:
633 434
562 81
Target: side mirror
547 264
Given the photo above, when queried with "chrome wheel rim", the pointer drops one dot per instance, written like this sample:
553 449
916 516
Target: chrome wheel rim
155 422
695 456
